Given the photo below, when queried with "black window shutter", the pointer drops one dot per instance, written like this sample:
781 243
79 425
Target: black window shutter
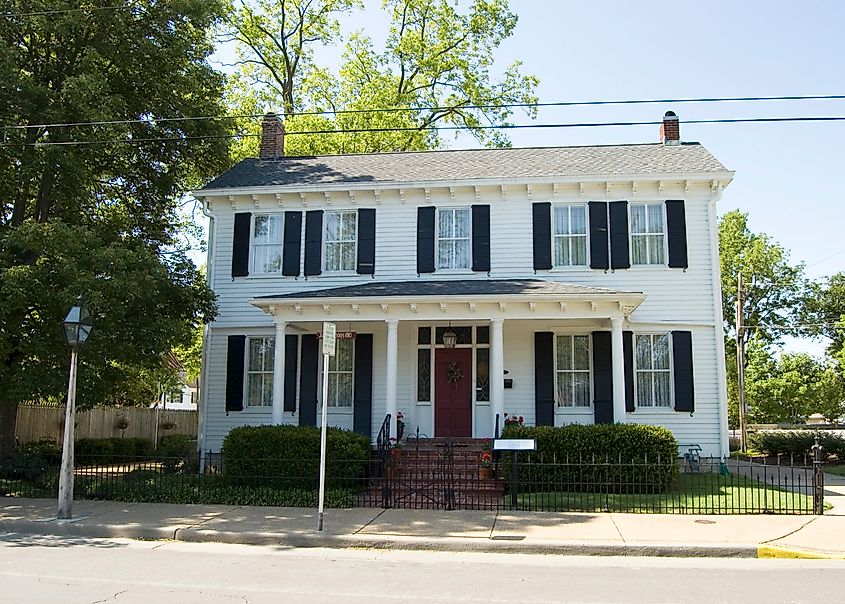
425 239
542 219
682 359
598 235
308 381
235 373
292 244
366 241
240 244
362 410
313 242
602 378
676 233
291 353
628 357
619 256
544 378
481 238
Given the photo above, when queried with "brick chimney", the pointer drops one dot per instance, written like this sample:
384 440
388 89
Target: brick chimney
670 129
272 137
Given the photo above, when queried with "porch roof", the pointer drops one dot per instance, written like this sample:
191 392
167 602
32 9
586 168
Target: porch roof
422 299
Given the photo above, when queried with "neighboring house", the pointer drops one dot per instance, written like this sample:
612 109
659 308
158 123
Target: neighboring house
578 284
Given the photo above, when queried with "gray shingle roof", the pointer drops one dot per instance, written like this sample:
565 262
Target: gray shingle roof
471 164
464 287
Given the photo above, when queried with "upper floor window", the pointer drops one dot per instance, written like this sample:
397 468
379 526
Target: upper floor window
267 243
259 379
647 234
653 371
341 374
569 235
572 371
453 238
340 241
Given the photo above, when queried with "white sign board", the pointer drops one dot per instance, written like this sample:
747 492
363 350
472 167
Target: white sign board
514 444
329 338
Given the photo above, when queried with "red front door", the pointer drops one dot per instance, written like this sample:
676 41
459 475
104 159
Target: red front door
453 392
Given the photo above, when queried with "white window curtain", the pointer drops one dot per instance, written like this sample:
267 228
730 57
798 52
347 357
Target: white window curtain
647 234
267 243
572 371
261 352
453 238
341 375
653 371
570 235
341 238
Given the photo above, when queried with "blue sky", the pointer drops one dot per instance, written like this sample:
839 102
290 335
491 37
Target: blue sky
787 174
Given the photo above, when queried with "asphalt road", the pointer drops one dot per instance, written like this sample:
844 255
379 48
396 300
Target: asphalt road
74 570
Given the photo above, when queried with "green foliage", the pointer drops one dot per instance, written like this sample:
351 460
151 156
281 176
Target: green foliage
796 442
615 457
103 451
825 309
289 456
35 463
101 218
178 453
148 487
436 63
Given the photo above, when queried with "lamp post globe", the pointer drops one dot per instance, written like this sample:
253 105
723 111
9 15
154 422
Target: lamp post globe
77 328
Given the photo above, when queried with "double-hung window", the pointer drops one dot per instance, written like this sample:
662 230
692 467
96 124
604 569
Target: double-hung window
267 243
572 371
259 380
648 229
569 235
341 241
653 371
453 238
341 375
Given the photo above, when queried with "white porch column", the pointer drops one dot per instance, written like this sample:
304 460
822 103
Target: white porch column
618 370
391 366
497 372
279 373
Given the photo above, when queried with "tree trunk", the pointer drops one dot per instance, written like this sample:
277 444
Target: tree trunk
8 423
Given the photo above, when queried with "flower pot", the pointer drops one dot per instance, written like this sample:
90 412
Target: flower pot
485 473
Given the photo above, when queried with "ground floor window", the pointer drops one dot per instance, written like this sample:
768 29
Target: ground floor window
572 371
259 382
653 370
341 375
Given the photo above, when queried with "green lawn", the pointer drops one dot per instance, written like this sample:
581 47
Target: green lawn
838 469
693 493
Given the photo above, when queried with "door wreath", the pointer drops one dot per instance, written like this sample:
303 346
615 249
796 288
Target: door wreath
454 373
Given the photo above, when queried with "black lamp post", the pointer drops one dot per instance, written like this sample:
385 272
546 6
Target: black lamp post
77 328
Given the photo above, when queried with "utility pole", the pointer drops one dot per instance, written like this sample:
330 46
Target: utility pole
740 365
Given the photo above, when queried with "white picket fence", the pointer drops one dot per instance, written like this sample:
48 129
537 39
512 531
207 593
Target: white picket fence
39 422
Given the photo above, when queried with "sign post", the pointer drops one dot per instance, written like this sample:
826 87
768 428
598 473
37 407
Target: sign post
329 341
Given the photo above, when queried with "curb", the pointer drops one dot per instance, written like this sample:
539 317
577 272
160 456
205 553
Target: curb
379 542
784 552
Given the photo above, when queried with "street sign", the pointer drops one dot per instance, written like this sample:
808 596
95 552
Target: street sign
329 338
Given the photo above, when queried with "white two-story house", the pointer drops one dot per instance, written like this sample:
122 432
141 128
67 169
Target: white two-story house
563 285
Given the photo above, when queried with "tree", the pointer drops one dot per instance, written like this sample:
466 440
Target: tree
93 209
435 67
783 390
825 310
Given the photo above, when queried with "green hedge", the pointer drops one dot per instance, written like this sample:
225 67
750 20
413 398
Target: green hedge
97 451
796 442
615 458
289 456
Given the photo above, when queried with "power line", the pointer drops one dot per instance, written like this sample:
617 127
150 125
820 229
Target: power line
429 128
432 108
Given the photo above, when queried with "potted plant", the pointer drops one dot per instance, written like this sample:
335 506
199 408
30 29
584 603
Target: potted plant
396 448
400 425
485 466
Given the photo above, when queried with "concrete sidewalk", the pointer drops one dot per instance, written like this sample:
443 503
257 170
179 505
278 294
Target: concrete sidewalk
479 531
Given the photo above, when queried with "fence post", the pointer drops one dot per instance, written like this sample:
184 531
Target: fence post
818 478
514 481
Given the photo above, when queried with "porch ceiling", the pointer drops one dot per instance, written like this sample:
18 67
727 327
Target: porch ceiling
475 299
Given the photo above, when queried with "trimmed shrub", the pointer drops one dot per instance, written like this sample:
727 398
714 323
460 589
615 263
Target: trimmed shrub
36 463
289 456
614 458
112 450
796 443
178 453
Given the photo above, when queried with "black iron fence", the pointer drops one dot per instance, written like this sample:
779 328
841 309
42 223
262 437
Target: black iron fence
449 478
